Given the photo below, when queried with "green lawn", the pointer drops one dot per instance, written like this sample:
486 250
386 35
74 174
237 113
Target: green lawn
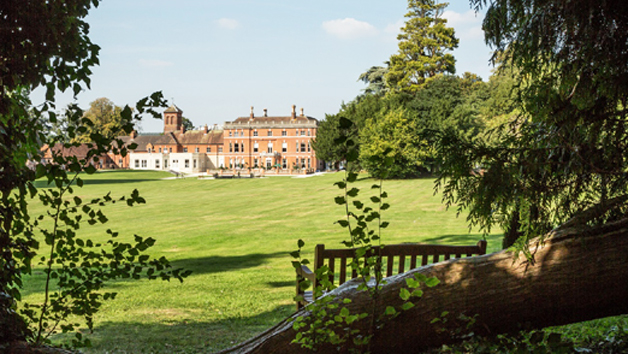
235 235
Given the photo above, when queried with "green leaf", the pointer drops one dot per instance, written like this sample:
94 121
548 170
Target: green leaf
432 282
412 284
340 200
343 223
353 192
340 185
375 199
407 305
90 169
300 243
417 293
344 123
390 311
404 294
352 177
344 312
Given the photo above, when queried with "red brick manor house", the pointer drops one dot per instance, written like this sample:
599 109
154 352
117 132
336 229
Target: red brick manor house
272 144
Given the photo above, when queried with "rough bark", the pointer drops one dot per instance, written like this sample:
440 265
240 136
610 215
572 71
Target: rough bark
579 273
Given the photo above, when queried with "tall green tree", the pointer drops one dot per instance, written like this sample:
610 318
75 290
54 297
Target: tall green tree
103 117
423 45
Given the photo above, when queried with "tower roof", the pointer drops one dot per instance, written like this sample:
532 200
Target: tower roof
173 109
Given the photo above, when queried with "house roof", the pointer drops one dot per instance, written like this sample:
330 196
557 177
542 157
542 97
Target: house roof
268 122
192 137
78 151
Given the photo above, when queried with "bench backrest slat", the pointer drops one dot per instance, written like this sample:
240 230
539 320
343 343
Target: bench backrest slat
343 271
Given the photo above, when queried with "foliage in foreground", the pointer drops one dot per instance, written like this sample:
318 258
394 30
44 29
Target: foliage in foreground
47 44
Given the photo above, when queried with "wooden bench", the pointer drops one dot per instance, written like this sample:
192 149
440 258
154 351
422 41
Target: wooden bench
412 254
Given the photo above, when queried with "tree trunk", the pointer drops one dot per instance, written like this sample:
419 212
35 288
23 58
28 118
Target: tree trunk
578 273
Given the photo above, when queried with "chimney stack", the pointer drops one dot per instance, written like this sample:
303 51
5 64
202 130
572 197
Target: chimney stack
133 134
206 129
302 115
252 114
265 112
294 111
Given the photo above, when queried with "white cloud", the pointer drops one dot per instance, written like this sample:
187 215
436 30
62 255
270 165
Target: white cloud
228 23
349 28
462 19
468 25
154 63
395 28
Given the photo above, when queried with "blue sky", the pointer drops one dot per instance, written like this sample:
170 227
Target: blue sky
218 58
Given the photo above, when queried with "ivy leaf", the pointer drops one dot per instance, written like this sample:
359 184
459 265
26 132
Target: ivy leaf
432 282
353 192
412 284
344 312
390 311
404 294
352 177
340 200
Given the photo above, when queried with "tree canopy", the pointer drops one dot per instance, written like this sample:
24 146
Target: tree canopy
565 150
103 118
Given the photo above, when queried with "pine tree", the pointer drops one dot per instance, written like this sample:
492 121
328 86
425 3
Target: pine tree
423 42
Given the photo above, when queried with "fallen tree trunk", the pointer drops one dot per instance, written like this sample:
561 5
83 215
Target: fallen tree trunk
579 273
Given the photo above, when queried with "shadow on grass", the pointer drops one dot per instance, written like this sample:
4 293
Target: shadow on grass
204 265
454 240
182 336
217 264
44 183
282 284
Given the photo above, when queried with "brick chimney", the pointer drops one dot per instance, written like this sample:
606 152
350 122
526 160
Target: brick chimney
265 112
252 114
302 114
206 129
133 134
294 111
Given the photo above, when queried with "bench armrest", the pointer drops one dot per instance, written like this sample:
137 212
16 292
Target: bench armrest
306 273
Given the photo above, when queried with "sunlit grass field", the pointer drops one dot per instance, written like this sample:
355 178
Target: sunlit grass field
235 235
